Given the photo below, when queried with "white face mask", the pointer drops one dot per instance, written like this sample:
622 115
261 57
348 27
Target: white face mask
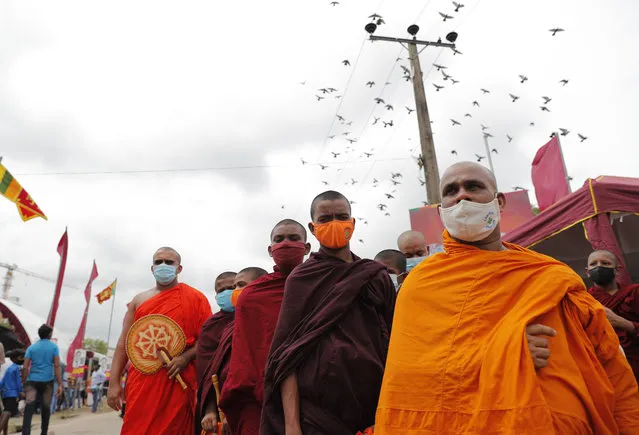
471 221
395 280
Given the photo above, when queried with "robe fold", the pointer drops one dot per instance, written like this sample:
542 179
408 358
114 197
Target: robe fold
333 333
625 303
210 335
256 315
459 362
156 404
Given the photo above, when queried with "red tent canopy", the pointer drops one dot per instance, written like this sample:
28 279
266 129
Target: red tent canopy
602 214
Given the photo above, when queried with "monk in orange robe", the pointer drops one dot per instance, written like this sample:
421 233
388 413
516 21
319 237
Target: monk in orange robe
157 404
256 315
459 361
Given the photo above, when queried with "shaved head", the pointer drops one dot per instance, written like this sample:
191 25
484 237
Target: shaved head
329 195
412 244
472 167
166 249
295 227
252 273
224 281
394 260
602 257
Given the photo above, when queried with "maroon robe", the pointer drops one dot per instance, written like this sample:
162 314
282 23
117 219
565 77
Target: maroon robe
256 314
333 332
625 303
209 340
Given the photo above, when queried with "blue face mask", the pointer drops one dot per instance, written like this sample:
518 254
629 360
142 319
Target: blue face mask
164 274
412 262
223 300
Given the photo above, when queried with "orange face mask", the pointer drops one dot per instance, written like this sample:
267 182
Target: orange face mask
334 234
236 295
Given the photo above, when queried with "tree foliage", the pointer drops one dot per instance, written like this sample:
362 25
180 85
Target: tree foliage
95 345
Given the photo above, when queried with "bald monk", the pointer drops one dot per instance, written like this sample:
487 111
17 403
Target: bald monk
395 263
326 363
217 363
459 361
212 332
256 314
621 303
156 403
412 244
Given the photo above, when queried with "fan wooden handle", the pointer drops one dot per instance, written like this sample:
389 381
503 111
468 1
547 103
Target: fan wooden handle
216 385
167 360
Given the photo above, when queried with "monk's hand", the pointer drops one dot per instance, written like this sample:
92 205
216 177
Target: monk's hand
617 321
176 365
226 429
293 429
114 396
209 422
538 345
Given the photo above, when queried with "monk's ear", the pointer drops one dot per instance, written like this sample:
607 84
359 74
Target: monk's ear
179 269
311 228
308 249
353 223
502 201
269 251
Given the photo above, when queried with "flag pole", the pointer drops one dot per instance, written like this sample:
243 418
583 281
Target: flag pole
563 162
111 318
490 159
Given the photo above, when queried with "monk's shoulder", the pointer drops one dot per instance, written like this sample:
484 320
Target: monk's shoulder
194 293
143 297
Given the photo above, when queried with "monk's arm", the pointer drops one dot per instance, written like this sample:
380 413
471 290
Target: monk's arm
291 402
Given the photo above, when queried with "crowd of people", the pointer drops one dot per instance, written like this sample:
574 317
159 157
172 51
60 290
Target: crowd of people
483 337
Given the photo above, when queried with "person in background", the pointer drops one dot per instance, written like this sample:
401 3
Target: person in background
395 263
621 303
413 245
69 394
97 381
11 388
41 367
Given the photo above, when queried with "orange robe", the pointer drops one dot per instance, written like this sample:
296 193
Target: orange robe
155 403
459 362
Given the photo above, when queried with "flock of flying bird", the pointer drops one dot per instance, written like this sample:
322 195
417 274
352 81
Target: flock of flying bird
395 180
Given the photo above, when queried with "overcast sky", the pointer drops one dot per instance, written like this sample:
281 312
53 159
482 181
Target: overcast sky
143 124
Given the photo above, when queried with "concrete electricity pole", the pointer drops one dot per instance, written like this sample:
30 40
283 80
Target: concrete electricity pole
431 171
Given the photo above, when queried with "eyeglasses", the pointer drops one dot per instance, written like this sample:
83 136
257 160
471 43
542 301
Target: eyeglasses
158 262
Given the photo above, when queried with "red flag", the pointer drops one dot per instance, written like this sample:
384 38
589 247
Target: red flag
79 338
548 174
63 247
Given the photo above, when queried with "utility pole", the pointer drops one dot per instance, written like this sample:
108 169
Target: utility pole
428 154
490 159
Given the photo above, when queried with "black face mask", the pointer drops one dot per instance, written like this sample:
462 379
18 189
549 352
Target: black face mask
602 275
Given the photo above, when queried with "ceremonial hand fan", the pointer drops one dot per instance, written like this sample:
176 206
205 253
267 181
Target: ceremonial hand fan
154 340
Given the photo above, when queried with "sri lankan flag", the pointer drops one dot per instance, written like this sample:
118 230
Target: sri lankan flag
106 294
11 189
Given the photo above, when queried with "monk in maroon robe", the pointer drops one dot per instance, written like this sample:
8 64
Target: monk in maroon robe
210 337
217 363
256 314
621 303
326 363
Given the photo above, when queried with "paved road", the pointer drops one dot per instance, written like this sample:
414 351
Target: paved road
88 424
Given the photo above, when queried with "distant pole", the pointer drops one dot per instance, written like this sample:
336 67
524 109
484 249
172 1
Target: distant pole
431 170
490 159
563 162
110 320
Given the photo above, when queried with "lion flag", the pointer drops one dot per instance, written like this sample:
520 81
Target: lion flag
14 192
106 294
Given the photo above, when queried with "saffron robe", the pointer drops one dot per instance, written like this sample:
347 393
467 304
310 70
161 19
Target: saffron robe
256 314
459 361
156 404
625 303
333 333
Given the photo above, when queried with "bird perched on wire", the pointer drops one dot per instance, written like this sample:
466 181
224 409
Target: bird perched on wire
346 62
555 30
479 158
514 97
582 137
523 78
438 87
445 17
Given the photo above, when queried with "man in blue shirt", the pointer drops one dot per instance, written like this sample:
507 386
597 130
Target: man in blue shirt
11 387
41 367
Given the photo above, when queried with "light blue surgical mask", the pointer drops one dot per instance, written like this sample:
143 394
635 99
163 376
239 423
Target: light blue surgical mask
223 300
412 262
164 274
395 280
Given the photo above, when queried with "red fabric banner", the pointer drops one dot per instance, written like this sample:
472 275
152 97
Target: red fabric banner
548 174
63 247
79 338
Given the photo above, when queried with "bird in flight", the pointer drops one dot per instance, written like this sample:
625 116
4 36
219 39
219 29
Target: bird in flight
563 82
532 124
325 183
454 81
495 150
375 180
340 118
332 136
370 84
523 78
546 100
388 124
422 182
389 107
332 90
409 110
346 133
488 135
368 155
438 87
439 67
510 138
380 101
349 123
334 3
352 141
323 90
479 158
514 97
382 207
406 70
484 127
346 62
389 196
564 131
555 30
453 152
455 122
485 91
303 161
353 181
319 97
458 6
375 16
476 103
303 83
455 51
544 109
360 240
445 17
323 166
468 115
582 137
396 175
335 154
395 182
446 76
376 120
